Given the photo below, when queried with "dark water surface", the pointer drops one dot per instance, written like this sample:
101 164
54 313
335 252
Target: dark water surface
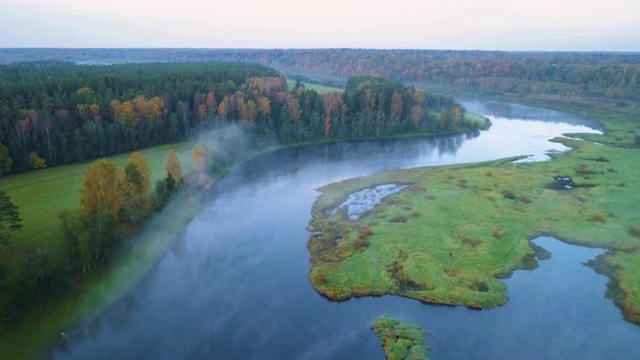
235 285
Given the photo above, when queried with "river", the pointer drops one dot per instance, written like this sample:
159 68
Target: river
235 285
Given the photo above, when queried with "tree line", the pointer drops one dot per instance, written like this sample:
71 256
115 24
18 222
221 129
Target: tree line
592 74
57 113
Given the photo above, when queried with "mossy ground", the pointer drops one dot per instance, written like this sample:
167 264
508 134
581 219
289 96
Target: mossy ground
450 236
400 340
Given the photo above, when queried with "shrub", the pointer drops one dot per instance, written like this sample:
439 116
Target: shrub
584 170
509 194
400 218
634 231
364 233
360 244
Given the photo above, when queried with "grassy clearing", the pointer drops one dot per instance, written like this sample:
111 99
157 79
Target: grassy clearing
41 195
400 340
320 89
466 226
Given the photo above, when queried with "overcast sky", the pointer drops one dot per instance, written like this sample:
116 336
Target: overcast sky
574 25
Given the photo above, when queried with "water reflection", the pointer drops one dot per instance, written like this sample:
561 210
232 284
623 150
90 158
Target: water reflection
236 286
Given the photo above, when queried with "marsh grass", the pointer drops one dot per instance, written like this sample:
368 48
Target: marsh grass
400 340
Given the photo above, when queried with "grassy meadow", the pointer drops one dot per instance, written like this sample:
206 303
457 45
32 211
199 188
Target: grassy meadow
456 230
41 196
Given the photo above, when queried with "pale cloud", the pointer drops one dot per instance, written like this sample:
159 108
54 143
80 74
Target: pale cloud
466 24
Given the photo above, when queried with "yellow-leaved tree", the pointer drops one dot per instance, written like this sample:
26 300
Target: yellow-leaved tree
102 198
173 167
142 184
137 183
102 190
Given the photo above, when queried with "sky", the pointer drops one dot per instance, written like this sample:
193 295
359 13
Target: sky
512 25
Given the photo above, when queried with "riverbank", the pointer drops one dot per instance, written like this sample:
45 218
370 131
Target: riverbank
456 230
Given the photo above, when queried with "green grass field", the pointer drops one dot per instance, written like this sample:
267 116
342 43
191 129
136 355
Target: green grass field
472 224
41 196
320 89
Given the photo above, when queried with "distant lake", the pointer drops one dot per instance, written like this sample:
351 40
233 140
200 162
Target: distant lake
235 285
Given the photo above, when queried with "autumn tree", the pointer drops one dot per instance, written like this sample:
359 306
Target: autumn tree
202 114
396 104
139 161
136 186
173 167
102 189
223 109
35 161
199 158
416 115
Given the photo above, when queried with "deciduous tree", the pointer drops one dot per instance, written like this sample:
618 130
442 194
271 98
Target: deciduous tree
139 161
102 189
173 167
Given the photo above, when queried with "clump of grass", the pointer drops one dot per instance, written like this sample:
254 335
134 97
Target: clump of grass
414 212
584 170
360 244
469 241
524 199
602 159
622 184
400 218
597 218
364 233
497 233
489 173
319 278
634 231
430 197
509 194
462 183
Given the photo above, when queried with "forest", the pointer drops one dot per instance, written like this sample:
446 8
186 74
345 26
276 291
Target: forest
55 113
603 75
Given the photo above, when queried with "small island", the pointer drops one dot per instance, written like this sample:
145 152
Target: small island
400 339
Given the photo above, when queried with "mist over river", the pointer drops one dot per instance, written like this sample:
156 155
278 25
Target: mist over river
234 285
